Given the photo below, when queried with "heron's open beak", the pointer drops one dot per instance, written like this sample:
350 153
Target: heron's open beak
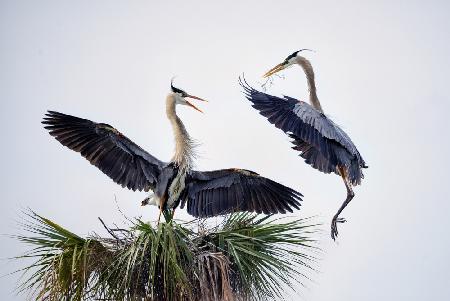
194 97
275 69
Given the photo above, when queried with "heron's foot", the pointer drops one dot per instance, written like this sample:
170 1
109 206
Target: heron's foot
334 230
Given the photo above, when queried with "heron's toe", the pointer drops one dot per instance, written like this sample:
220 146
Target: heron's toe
341 220
334 229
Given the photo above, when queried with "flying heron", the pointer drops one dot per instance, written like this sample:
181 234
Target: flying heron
206 193
321 142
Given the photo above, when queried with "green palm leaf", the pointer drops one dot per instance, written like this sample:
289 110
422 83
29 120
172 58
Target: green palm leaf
246 257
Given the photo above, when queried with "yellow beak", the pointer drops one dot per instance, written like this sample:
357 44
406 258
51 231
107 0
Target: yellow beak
275 69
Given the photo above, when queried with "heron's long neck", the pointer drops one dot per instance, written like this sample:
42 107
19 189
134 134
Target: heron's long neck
184 144
309 72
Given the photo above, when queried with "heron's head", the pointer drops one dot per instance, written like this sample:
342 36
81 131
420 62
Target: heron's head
181 95
289 61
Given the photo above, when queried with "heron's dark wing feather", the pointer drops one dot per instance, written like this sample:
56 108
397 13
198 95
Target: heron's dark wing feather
213 193
105 147
324 125
322 143
303 121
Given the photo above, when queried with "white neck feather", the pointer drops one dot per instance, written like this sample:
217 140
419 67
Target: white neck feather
309 72
184 144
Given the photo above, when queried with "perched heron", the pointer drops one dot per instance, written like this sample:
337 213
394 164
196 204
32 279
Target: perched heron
207 193
322 143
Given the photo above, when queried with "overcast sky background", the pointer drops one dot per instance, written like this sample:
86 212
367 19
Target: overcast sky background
382 71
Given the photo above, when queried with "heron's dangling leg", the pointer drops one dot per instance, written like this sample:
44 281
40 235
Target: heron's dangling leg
350 195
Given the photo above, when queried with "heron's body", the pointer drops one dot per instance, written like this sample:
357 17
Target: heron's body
321 143
204 193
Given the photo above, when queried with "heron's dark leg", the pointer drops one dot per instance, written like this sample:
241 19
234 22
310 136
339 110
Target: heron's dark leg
350 195
161 207
160 212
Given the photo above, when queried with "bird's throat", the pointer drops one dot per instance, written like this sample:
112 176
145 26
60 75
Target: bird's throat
184 144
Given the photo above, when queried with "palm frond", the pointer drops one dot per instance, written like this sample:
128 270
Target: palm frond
246 257
265 255
65 261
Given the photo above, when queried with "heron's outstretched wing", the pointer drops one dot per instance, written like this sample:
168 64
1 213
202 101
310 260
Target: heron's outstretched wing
213 193
105 147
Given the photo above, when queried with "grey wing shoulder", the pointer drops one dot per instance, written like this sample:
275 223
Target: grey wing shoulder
315 118
325 125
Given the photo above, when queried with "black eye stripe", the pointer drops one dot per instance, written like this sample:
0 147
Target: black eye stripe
176 90
292 56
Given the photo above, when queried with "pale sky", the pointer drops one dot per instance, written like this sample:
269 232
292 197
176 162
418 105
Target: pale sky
382 69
